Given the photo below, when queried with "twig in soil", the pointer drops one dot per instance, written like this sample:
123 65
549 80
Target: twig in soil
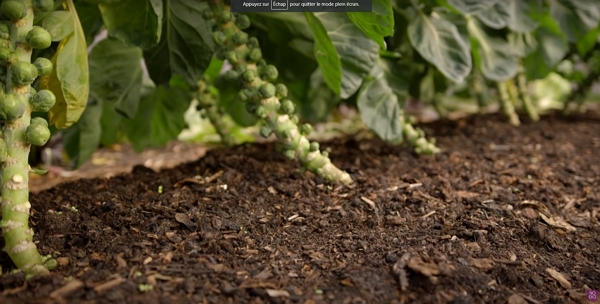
428 214
198 181
400 271
67 289
369 202
108 285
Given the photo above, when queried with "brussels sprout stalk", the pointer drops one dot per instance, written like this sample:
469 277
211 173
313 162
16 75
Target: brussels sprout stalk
525 97
17 128
263 98
207 94
508 108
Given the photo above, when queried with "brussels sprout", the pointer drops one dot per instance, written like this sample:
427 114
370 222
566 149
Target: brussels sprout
314 146
232 57
5 55
249 75
325 153
37 134
39 121
219 38
265 131
43 65
232 75
252 42
12 107
240 38
294 119
290 154
306 129
4 32
38 38
287 107
3 150
261 112
266 90
42 101
226 16
208 14
269 72
261 63
23 73
255 55
251 107
281 91
242 22
43 5
13 10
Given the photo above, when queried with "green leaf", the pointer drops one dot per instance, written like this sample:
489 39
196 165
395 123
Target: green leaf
69 80
326 54
496 17
91 20
472 6
553 47
377 24
159 118
116 75
59 24
440 43
492 54
214 68
357 51
379 107
319 100
575 17
519 12
522 44
111 123
589 40
82 139
137 22
187 47
397 75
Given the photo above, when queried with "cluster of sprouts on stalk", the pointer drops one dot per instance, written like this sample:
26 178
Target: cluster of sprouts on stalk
18 37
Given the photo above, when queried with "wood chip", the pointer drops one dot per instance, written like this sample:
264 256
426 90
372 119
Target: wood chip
557 222
275 293
108 285
559 277
185 220
369 202
484 265
426 269
516 299
67 289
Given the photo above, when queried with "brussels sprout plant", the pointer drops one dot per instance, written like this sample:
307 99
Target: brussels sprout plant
281 71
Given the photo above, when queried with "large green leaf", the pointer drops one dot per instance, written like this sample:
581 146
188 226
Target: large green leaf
159 118
397 75
575 17
376 24
440 43
187 47
91 20
116 75
111 124
326 54
553 46
496 16
379 107
472 6
137 22
519 12
82 139
69 80
522 44
59 24
319 101
357 51
492 54
587 43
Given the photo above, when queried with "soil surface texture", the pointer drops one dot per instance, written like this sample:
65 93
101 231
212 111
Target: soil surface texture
502 215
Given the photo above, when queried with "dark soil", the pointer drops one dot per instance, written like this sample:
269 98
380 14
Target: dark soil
504 214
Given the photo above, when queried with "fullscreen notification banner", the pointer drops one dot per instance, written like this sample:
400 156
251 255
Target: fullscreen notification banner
265 6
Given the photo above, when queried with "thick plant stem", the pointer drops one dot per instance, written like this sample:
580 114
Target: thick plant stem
416 138
206 96
263 98
524 93
18 237
507 105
